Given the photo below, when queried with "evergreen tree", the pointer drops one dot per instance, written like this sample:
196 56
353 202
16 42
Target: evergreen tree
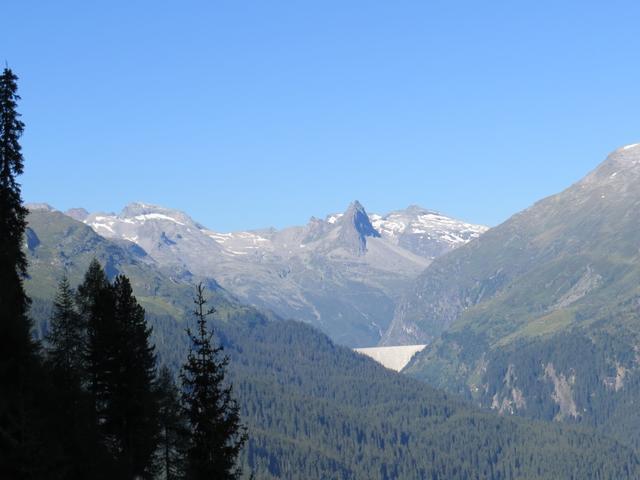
215 430
19 359
132 408
66 338
70 405
95 302
173 429
121 372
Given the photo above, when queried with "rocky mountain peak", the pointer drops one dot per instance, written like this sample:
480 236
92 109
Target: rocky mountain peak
355 228
417 210
79 214
139 208
357 217
626 158
39 206
622 166
143 212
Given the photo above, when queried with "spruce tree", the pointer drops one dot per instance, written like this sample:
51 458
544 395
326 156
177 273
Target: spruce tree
19 359
95 303
121 372
67 337
173 428
70 405
14 302
132 409
216 435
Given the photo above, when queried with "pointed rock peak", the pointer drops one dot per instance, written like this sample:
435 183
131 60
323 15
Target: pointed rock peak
355 228
357 217
356 205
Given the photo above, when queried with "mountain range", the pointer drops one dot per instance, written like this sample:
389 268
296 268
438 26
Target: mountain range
344 273
315 410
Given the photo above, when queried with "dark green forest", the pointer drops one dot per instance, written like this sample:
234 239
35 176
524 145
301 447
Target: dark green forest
605 386
314 407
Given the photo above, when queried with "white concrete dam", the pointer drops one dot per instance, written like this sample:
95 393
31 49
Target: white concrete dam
393 358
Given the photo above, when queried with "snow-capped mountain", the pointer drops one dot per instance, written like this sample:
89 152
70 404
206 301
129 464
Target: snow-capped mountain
425 232
344 273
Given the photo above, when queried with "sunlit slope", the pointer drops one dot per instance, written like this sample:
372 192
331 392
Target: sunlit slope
540 314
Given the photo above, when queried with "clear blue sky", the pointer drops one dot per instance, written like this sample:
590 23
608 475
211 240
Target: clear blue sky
248 114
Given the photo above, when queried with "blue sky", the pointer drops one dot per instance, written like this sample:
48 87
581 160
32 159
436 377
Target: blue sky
249 114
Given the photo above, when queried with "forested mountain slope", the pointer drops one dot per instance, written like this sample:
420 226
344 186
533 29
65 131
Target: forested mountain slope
348 417
541 314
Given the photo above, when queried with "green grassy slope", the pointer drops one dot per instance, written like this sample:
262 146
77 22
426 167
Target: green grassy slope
543 309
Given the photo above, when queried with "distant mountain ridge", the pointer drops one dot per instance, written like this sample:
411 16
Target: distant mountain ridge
343 274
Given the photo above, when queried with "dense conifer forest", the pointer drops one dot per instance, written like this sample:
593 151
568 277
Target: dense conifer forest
313 407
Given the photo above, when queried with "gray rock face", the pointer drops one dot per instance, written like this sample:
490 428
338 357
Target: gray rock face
34 207
343 274
79 214
355 228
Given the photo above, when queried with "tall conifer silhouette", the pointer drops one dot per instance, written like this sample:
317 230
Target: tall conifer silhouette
131 414
19 360
67 337
213 415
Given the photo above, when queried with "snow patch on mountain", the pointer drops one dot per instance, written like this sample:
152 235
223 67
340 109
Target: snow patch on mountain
425 232
155 216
